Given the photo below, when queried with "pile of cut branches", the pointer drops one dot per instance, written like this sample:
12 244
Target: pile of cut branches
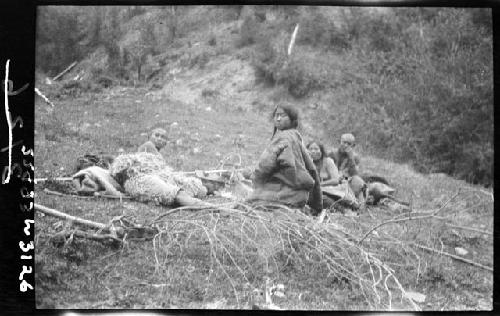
238 247
247 244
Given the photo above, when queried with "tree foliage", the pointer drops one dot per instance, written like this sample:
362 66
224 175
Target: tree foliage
413 84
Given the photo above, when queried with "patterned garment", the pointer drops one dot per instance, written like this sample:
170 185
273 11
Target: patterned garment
146 177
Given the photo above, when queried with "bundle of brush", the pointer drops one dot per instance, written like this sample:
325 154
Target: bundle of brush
230 247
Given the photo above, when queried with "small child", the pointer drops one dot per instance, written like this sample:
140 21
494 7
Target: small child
156 142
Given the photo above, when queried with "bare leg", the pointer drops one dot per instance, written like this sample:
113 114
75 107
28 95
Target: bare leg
358 187
184 199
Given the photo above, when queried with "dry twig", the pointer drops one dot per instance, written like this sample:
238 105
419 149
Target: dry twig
453 256
409 218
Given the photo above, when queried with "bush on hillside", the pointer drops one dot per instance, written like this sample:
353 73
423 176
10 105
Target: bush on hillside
248 32
301 76
318 31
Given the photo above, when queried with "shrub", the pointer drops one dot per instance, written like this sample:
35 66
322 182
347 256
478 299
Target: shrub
248 32
300 78
318 31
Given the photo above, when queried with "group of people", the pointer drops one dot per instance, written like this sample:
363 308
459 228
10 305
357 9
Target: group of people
288 171
306 176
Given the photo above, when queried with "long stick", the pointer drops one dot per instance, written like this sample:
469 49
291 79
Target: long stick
78 220
470 228
96 237
126 197
65 71
409 218
292 40
209 171
179 172
54 179
44 97
453 256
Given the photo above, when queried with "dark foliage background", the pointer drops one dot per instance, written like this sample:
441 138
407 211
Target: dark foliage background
413 84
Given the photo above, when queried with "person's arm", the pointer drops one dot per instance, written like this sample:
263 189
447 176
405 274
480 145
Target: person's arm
268 162
333 172
315 200
349 165
148 147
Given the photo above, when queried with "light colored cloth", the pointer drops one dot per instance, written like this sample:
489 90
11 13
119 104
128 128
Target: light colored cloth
341 192
148 147
95 179
286 173
147 177
151 188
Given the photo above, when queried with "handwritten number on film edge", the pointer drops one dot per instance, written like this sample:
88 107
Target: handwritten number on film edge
24 174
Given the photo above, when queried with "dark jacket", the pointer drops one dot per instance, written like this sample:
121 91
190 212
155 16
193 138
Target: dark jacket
286 173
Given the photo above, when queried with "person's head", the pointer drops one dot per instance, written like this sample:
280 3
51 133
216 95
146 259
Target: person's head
285 116
347 141
316 150
159 138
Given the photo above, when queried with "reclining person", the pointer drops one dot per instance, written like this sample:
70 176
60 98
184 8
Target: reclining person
145 177
348 165
157 140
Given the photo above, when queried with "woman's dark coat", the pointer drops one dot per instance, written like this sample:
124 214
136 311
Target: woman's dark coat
286 173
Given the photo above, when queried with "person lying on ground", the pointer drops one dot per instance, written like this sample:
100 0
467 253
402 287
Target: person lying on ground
157 140
101 160
146 177
348 163
94 180
285 172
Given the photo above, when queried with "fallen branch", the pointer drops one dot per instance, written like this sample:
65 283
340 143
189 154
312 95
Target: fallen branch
38 180
107 196
207 171
65 71
53 179
470 228
78 220
453 256
409 218
96 237
50 192
292 39
44 97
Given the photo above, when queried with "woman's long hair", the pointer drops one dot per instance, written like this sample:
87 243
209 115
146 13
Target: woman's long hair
292 113
321 149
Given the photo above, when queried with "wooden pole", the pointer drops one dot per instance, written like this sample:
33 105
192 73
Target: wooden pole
76 220
453 256
292 40
64 71
179 172
44 97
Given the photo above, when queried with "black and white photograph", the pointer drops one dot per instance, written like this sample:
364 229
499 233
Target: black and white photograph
263 157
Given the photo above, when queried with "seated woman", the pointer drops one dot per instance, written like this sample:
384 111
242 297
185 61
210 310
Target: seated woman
327 170
285 172
157 140
332 184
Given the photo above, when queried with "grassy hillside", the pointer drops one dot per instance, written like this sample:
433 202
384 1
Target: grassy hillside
407 81
207 91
